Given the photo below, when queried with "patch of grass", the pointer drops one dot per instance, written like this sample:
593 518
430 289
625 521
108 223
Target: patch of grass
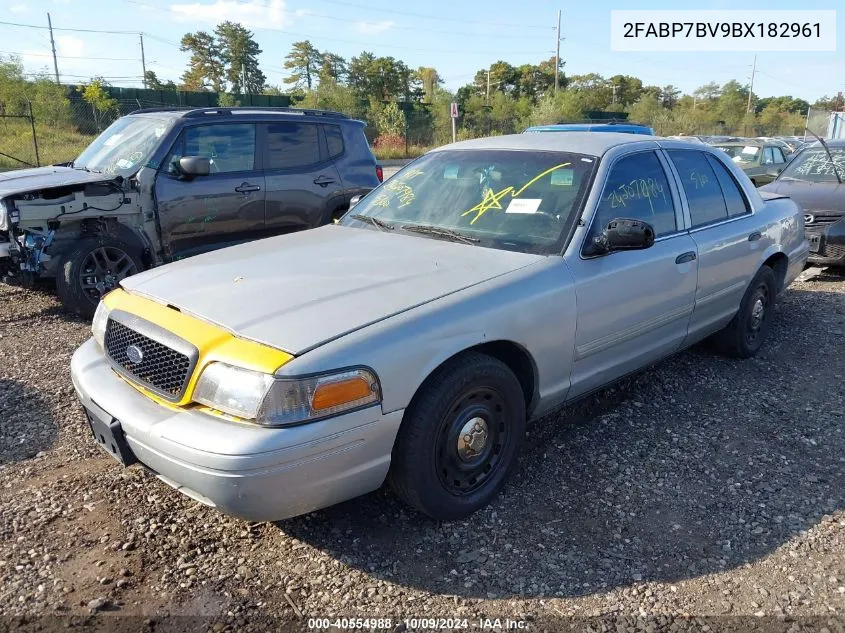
55 145
389 153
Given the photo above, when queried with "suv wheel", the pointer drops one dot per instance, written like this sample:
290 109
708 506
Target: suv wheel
91 269
460 438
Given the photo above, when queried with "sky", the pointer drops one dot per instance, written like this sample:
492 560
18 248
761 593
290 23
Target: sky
456 37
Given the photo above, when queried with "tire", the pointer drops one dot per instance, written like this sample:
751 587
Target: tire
744 335
92 268
432 468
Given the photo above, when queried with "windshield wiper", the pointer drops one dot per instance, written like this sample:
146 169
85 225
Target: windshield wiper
385 226
829 155
436 231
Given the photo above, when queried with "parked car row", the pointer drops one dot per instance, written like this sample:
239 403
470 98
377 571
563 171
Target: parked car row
483 286
411 334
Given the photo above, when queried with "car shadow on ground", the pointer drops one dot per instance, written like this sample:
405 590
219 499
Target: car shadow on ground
698 465
27 426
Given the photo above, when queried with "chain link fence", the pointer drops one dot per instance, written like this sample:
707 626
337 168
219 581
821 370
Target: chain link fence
18 142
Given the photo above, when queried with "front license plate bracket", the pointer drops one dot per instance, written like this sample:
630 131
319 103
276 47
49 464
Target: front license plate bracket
108 433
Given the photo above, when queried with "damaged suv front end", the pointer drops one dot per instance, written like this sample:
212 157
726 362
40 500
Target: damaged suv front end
86 224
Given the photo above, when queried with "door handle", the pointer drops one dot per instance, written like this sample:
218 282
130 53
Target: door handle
756 235
323 181
683 258
247 188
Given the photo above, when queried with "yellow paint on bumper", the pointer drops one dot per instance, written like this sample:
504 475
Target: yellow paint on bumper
214 343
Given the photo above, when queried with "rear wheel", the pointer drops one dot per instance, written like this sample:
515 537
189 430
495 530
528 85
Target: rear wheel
460 438
744 335
95 266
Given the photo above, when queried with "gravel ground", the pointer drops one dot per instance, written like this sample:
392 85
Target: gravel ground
703 487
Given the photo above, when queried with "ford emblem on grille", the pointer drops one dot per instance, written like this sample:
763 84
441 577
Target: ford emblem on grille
809 219
135 354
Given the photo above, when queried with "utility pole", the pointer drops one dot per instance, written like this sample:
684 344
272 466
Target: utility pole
53 46
615 88
488 87
751 90
143 60
557 51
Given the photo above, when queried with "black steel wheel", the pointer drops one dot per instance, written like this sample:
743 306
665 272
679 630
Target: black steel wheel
744 335
471 440
94 267
460 438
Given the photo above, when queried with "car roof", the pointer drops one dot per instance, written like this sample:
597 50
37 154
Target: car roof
587 143
631 128
751 142
838 143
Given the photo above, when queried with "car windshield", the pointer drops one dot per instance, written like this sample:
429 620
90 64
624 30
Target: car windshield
814 165
123 147
507 199
742 153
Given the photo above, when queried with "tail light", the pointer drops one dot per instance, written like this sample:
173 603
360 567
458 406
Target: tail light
379 173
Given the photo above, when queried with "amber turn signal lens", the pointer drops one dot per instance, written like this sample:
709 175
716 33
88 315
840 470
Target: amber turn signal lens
334 394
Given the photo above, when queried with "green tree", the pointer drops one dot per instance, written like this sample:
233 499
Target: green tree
303 63
390 120
382 78
239 53
332 68
154 83
430 80
627 89
94 93
206 69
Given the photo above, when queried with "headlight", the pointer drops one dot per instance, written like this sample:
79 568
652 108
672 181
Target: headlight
98 325
232 390
4 216
272 401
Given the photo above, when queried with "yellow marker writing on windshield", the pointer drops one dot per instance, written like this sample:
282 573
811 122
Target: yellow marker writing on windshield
493 200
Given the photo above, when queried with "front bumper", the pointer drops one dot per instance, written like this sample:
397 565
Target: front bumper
828 243
255 473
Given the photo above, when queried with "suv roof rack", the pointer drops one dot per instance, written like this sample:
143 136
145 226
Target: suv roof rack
198 112
193 112
160 109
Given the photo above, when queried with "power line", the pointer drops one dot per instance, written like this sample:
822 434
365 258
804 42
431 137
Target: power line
115 59
323 16
56 28
347 41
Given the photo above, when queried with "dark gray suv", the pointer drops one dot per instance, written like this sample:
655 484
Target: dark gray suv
164 184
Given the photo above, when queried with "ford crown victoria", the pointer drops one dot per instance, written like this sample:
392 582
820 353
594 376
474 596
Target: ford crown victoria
486 284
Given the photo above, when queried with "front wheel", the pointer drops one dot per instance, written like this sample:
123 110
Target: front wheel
95 266
460 438
744 335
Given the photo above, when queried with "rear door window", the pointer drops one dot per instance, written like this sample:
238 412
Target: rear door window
292 145
704 195
334 140
735 201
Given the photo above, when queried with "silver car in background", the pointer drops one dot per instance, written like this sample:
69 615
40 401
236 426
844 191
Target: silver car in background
486 284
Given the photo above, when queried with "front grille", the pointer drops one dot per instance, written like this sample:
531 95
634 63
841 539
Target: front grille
162 369
820 223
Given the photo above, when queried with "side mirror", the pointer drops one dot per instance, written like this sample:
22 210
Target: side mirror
624 234
194 166
355 200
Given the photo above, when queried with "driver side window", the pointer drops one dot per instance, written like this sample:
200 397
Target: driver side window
231 148
637 188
